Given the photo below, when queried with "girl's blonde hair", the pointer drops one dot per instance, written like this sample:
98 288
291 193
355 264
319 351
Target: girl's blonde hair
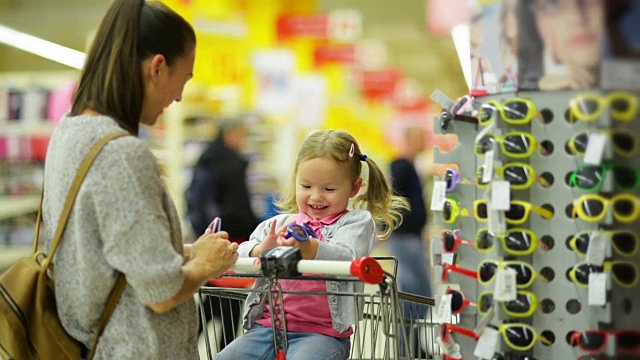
386 208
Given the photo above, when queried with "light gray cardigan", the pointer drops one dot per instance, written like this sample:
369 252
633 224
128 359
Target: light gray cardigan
123 220
350 237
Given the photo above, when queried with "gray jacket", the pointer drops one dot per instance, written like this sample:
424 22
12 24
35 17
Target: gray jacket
350 237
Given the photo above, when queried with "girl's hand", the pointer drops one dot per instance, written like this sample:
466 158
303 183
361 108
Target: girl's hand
309 248
270 241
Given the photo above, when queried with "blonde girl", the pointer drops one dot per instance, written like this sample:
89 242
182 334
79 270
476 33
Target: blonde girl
324 195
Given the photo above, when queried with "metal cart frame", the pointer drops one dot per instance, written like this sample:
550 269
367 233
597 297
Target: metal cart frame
392 325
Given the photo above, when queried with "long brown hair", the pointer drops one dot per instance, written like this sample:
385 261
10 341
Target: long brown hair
131 31
385 207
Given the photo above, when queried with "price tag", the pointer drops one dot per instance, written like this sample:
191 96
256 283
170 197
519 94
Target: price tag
449 347
497 223
505 289
487 343
443 311
437 274
597 289
448 258
500 195
442 99
485 320
596 249
439 195
595 148
487 173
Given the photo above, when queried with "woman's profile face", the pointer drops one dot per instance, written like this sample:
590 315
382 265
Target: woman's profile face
572 30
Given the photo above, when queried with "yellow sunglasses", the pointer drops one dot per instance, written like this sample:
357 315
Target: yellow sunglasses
525 304
519 175
624 242
624 143
520 337
452 210
516 241
525 273
516 111
594 207
517 214
589 107
624 273
515 144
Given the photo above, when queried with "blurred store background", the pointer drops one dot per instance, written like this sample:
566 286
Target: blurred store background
366 66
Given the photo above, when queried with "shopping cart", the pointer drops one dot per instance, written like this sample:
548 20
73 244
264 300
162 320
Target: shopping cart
393 325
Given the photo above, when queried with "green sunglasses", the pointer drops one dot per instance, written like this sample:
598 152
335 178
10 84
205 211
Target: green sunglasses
591 177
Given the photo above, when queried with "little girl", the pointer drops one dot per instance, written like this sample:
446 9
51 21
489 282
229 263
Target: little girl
325 179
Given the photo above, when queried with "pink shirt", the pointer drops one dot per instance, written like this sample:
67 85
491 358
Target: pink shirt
307 313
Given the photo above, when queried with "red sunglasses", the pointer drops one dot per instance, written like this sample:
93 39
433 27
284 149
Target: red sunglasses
447 357
445 329
446 267
451 240
596 340
458 301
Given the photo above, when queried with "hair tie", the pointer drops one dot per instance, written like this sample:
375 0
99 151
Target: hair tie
363 157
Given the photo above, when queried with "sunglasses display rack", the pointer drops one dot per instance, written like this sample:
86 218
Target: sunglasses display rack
610 303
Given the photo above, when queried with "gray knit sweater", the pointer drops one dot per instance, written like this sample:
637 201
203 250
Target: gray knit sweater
123 220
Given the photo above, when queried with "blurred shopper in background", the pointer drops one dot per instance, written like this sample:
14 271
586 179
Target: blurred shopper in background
219 184
219 189
406 242
123 220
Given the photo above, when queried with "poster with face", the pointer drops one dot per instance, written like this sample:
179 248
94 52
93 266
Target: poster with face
494 43
621 64
561 44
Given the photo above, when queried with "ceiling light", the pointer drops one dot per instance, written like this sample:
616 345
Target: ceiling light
40 47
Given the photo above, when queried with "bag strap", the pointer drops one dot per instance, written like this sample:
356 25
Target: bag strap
121 282
112 301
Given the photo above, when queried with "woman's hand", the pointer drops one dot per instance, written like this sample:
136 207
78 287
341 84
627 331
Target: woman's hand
214 253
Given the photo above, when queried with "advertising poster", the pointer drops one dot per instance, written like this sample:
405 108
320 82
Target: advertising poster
561 44
621 64
494 44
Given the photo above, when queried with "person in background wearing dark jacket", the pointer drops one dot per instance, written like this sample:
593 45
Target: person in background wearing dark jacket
219 184
219 189
406 242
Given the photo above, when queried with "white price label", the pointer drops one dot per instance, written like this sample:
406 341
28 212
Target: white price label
487 173
497 222
448 258
500 195
443 311
597 248
505 289
597 289
437 274
439 195
449 347
595 148
487 343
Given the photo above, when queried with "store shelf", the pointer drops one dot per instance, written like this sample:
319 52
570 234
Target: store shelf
27 128
13 206
11 253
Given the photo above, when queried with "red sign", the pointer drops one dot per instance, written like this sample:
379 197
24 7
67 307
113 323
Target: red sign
380 84
330 53
303 26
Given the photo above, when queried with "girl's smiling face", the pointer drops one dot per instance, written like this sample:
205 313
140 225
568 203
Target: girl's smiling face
323 187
